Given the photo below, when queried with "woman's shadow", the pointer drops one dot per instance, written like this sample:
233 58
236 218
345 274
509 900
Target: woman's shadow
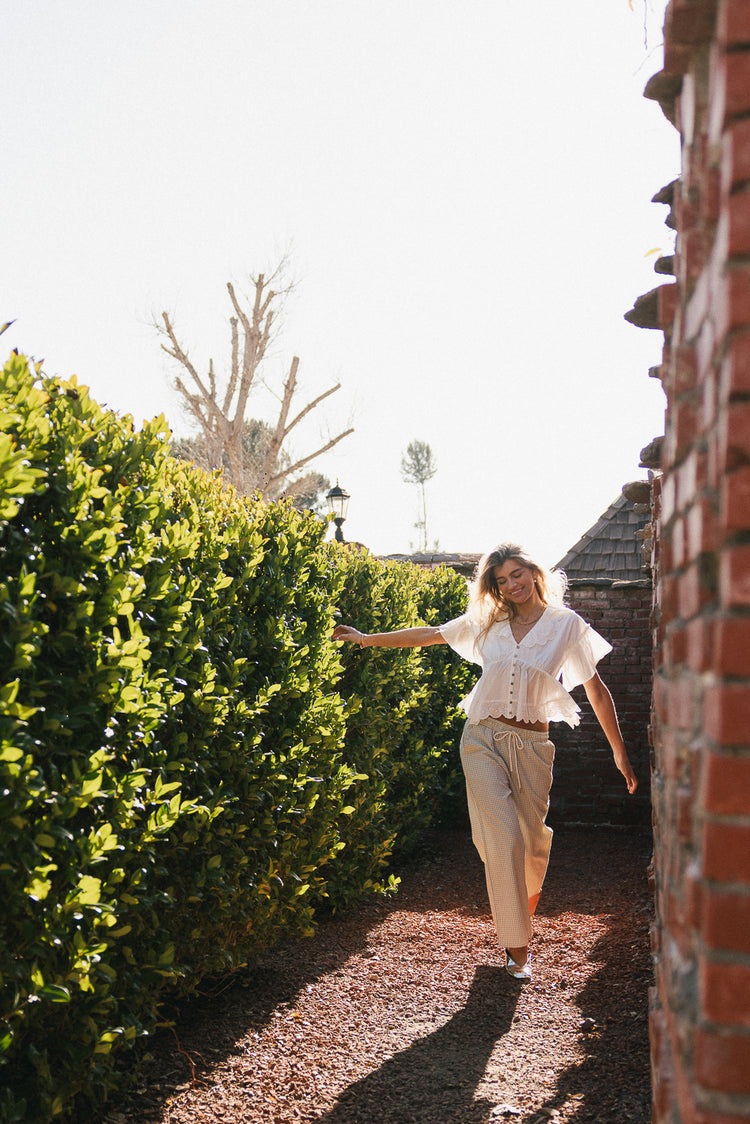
435 1078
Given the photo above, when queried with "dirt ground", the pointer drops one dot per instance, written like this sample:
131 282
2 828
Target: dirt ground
402 1012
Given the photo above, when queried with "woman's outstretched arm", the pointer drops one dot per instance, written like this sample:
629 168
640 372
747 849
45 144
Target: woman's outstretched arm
604 709
401 638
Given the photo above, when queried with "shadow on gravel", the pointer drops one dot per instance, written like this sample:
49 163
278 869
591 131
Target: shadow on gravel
450 1063
612 1082
595 877
210 1024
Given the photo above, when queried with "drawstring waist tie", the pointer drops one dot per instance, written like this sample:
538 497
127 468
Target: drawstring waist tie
512 740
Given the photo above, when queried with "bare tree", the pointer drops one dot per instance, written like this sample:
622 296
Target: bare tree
417 467
309 489
220 414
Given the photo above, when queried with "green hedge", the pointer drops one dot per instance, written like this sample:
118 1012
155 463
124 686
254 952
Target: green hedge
403 726
190 768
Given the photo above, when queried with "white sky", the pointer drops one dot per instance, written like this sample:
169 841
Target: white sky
463 190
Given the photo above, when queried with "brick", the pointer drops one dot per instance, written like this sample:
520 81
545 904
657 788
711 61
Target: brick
731 307
681 704
735 500
661 1064
693 897
714 468
734 577
691 477
734 434
679 543
725 920
677 647
677 57
735 156
702 534
727 714
684 813
691 1111
704 354
686 208
667 302
717 93
694 251
726 852
675 923
668 498
735 222
722 1061
737 84
685 426
692 592
668 598
670 755
731 645
689 23
709 401
729 94
735 369
699 635
733 23
696 309
666 555
685 366
725 993
711 198
726 784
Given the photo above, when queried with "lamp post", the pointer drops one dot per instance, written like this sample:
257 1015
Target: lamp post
338 502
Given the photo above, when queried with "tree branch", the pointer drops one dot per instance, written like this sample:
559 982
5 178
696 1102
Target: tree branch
279 433
305 460
225 432
311 406
183 358
255 338
235 364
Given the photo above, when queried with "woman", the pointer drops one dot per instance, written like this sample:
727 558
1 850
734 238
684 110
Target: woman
533 651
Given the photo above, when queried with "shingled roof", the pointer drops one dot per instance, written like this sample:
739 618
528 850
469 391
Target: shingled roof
610 550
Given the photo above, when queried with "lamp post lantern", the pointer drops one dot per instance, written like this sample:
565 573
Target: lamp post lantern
338 502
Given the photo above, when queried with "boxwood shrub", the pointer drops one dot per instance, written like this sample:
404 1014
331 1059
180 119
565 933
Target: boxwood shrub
190 767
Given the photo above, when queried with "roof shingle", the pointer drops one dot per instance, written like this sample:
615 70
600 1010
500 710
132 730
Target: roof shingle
611 549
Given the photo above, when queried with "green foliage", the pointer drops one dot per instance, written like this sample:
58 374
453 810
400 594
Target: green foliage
403 722
187 775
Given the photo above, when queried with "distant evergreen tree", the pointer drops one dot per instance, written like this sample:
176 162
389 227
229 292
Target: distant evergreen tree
417 467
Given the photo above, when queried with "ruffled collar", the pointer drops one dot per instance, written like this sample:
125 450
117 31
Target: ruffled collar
542 631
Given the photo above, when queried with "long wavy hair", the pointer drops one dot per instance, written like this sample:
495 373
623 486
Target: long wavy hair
486 601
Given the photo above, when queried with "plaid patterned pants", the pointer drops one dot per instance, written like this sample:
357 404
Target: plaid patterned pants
508 775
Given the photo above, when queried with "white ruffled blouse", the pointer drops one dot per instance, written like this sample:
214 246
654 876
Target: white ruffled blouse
528 679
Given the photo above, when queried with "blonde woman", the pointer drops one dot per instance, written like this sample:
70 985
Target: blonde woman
533 651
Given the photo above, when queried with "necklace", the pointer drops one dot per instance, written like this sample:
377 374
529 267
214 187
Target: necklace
530 620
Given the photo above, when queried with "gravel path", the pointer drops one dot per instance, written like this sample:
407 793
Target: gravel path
403 1012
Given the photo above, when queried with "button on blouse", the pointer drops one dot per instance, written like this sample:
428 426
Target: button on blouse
531 679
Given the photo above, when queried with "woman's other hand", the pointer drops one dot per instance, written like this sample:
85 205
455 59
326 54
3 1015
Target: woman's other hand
346 633
622 761
604 709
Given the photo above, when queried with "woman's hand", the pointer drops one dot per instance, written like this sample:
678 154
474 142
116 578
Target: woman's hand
419 637
348 634
622 761
604 709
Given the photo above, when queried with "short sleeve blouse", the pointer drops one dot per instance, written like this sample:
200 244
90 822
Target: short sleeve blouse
531 679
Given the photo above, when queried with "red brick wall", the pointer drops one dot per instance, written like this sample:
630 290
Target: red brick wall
701 709
587 787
